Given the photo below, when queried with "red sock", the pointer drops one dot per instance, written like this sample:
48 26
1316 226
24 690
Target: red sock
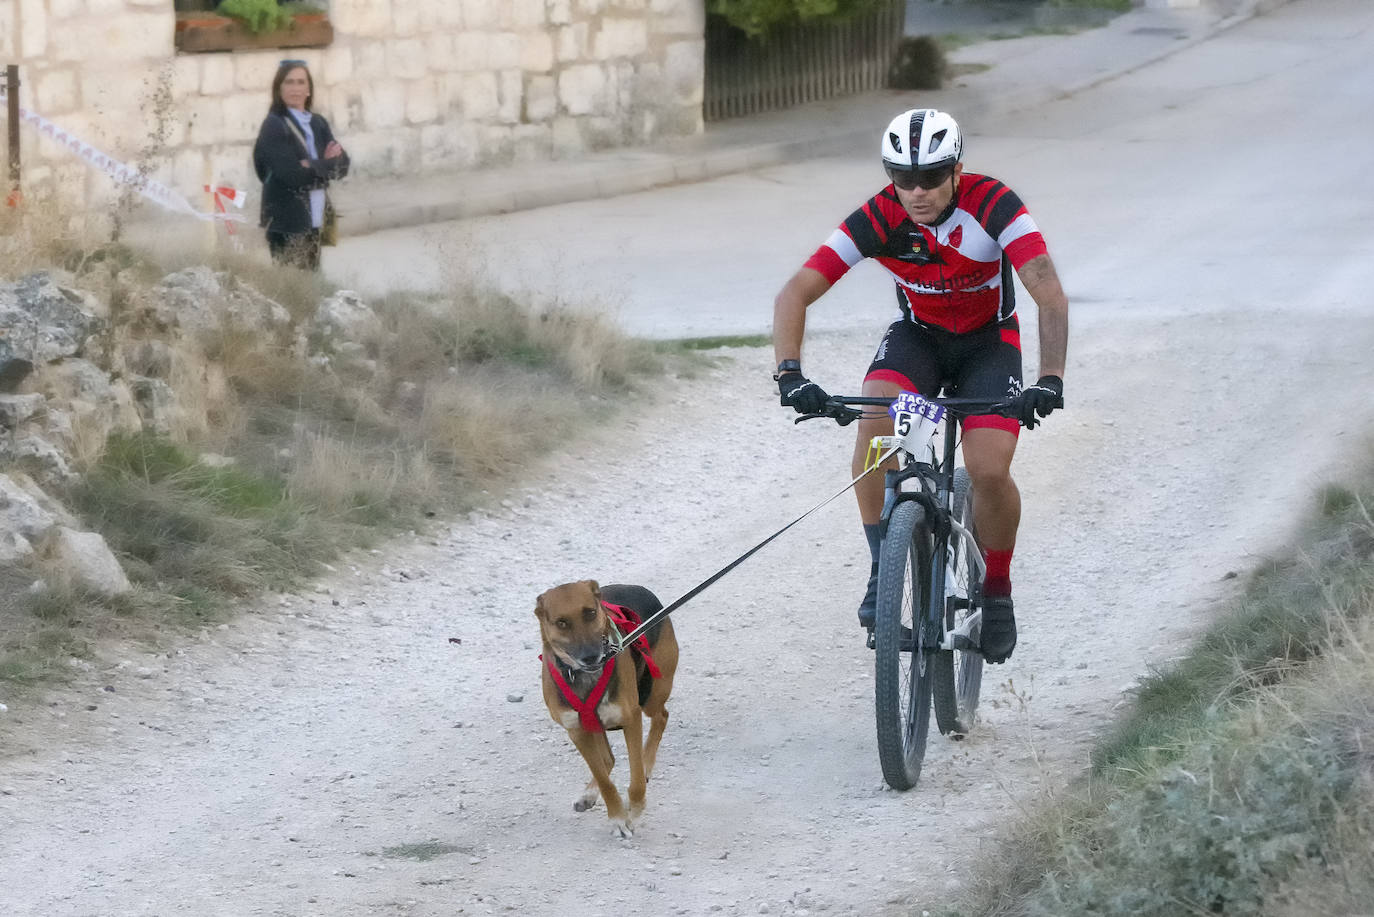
998 579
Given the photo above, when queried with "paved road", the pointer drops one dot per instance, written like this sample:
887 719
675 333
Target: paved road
1178 185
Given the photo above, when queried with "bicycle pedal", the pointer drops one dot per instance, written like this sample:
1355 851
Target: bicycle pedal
966 637
962 643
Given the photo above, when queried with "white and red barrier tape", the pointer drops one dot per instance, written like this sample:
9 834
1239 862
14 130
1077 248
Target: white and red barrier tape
222 193
123 174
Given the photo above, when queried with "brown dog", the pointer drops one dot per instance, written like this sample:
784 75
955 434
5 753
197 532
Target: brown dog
576 625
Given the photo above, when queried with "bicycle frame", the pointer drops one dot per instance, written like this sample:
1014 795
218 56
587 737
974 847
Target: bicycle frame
934 479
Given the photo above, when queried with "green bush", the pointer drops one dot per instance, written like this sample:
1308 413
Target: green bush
1214 835
258 15
918 64
759 17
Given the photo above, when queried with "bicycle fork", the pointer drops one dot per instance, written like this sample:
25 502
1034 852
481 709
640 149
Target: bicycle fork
966 636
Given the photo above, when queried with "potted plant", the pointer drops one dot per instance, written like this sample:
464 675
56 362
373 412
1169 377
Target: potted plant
248 24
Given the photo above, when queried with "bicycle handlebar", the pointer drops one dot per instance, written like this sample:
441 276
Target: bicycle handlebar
840 408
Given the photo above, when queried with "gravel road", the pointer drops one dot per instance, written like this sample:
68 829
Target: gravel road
303 759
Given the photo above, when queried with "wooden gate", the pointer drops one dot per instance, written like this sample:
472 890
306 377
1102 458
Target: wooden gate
798 64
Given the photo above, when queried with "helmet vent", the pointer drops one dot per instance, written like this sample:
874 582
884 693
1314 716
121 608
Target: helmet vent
936 139
895 140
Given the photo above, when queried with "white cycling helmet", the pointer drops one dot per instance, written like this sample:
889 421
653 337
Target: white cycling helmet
921 139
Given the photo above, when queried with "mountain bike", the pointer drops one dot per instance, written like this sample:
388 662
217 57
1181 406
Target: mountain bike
930 577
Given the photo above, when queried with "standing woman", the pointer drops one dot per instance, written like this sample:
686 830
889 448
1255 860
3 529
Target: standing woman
296 156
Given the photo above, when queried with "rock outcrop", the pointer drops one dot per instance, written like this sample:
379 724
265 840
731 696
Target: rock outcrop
40 322
74 371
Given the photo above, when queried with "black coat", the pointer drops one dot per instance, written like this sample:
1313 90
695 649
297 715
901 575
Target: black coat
286 184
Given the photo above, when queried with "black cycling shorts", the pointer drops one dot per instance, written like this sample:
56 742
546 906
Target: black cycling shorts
980 364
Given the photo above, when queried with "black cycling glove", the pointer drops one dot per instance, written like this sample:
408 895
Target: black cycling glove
1040 399
801 394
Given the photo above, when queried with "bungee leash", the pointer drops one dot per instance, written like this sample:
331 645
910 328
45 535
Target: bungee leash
626 641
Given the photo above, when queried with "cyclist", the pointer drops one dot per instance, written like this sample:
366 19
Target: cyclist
950 240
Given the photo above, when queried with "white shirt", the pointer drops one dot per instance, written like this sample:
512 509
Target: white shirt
317 195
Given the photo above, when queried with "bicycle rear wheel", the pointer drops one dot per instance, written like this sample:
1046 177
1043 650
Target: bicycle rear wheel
959 673
902 669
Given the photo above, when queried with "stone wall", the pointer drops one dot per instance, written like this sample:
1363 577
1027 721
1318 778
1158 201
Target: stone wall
410 86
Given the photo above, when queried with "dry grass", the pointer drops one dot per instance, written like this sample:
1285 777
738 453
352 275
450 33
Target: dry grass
447 403
40 235
160 245
341 481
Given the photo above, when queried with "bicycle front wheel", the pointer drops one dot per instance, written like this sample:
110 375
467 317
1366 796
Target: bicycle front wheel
959 673
903 670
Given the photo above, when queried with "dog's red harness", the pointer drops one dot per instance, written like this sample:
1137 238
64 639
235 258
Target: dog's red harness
625 619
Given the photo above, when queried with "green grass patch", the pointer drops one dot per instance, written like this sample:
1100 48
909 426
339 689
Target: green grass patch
196 531
424 851
42 631
687 345
150 460
1335 499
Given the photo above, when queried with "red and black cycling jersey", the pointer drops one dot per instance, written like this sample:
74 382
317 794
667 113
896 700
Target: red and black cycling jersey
954 275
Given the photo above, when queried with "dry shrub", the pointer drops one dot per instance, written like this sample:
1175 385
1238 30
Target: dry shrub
40 234
299 292
342 479
594 352
493 420
1344 883
421 337
479 325
254 364
166 246
87 441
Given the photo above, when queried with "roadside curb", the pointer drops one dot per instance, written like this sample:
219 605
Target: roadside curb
617 179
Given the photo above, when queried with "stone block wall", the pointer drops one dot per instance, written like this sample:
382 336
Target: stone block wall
410 86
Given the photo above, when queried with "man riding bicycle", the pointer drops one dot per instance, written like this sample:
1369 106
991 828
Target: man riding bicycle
950 239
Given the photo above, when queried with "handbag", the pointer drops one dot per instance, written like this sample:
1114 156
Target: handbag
329 229
329 226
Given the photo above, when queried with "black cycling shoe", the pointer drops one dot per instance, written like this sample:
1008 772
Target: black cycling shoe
868 608
998 633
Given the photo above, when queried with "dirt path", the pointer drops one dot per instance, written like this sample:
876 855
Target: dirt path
271 766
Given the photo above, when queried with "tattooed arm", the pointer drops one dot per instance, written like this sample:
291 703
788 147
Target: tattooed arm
1042 282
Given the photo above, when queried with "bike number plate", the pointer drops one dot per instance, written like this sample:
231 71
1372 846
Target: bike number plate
915 420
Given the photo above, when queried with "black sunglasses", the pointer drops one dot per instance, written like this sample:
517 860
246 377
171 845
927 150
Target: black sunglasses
292 63
929 181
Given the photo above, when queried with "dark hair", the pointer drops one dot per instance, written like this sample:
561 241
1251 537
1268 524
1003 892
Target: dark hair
285 67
